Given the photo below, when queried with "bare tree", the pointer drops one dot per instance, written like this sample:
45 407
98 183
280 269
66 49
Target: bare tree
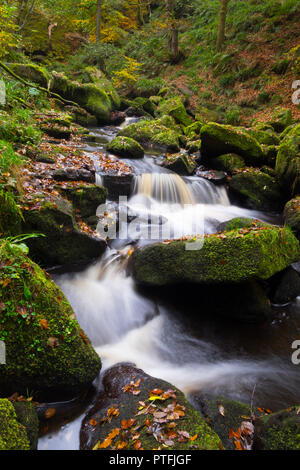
222 24
98 21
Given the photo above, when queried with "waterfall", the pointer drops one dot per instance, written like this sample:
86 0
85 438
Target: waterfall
172 188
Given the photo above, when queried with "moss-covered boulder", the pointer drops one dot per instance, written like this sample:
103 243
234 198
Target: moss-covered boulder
218 139
125 147
241 222
193 146
182 163
135 411
94 75
205 115
10 214
228 257
256 190
291 215
92 98
56 131
85 197
278 431
224 415
288 162
27 416
175 108
46 350
155 133
229 162
32 73
281 119
13 435
63 243
264 137
193 130
146 104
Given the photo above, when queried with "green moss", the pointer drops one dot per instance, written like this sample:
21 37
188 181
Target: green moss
264 137
291 214
256 190
85 197
175 108
288 162
193 146
13 435
242 222
182 163
229 162
193 130
45 346
10 214
282 118
219 139
235 256
125 147
27 416
32 72
279 431
153 133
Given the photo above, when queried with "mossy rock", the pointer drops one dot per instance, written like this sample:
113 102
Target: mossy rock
218 139
115 397
175 108
85 197
46 350
92 98
270 154
255 189
281 118
264 137
125 147
278 431
193 130
291 215
10 214
193 146
230 257
182 164
234 413
229 162
27 416
13 435
206 115
241 222
32 73
56 131
153 133
97 76
146 104
288 162
63 243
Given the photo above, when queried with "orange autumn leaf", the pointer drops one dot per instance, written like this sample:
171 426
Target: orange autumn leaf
50 412
137 445
44 324
238 445
127 424
107 442
193 438
93 422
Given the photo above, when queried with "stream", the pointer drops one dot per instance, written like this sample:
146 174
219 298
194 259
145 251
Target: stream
177 342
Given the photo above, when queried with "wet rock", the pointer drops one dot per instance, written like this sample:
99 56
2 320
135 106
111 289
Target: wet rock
287 162
285 286
118 410
229 162
125 147
117 118
46 350
255 189
182 163
81 116
64 243
228 257
278 431
56 131
291 215
85 197
74 174
216 177
117 185
27 416
218 139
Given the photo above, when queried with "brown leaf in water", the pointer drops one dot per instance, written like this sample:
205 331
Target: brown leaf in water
49 413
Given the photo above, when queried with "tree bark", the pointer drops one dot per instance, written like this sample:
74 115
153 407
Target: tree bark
222 24
173 31
98 21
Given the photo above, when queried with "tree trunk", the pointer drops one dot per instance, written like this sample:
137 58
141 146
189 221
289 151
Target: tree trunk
173 31
98 21
222 24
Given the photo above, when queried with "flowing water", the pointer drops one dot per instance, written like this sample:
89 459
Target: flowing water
176 341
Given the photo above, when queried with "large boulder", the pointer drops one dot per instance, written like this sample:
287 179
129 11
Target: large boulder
46 350
175 108
218 139
288 162
64 242
278 431
13 435
85 197
229 162
228 257
155 133
32 73
125 147
281 119
89 96
137 411
255 189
